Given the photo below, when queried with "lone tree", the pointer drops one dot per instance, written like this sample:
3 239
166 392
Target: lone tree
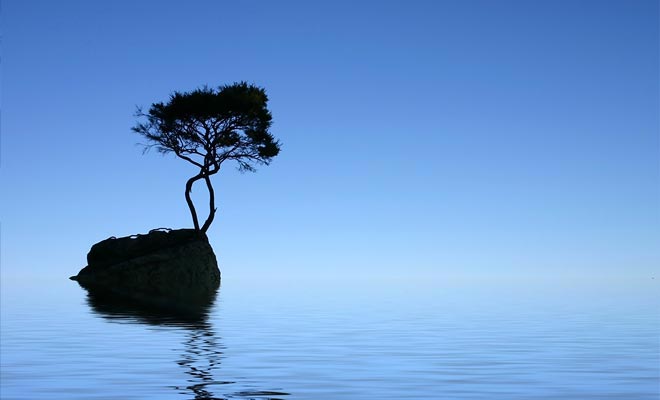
207 127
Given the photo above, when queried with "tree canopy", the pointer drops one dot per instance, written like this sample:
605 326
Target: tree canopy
207 127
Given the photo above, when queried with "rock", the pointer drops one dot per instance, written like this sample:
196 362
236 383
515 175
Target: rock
163 267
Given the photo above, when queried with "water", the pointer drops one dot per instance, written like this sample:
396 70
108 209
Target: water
334 339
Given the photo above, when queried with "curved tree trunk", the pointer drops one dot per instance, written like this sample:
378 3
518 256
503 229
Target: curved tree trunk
191 206
212 208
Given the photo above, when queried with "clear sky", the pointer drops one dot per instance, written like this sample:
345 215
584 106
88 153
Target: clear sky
481 137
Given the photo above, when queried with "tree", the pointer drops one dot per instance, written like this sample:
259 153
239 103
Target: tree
207 127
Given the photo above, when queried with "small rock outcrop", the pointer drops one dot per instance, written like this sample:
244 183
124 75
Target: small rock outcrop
163 266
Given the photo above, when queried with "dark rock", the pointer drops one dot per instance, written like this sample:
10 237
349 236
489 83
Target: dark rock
162 267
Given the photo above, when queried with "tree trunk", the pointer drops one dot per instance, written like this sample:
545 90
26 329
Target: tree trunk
191 206
212 208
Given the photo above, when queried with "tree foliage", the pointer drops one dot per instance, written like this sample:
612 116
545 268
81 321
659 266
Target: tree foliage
207 127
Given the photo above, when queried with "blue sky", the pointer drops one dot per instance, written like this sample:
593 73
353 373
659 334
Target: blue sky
481 137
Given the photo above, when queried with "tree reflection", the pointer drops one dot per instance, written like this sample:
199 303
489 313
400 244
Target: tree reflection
203 350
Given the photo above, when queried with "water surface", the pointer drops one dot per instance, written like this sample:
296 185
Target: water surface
334 339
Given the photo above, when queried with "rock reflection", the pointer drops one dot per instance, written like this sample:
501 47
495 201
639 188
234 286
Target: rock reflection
185 314
203 350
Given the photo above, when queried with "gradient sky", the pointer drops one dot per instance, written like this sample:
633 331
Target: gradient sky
482 137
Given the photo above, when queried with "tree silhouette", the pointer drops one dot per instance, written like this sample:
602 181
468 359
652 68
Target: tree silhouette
207 127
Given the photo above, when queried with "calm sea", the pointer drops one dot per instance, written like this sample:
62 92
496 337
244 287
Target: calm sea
320 338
